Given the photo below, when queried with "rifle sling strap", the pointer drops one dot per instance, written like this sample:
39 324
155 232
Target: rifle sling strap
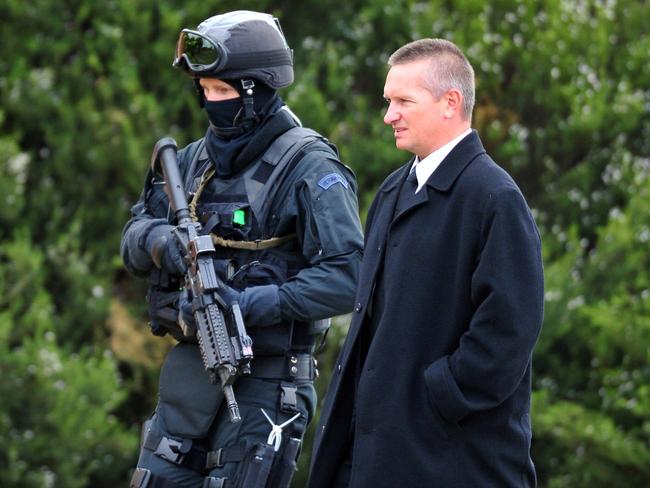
256 245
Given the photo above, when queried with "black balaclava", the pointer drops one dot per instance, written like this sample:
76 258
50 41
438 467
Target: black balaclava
228 118
222 114
230 130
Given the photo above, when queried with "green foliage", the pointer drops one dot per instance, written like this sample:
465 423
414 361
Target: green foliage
86 88
56 426
592 410
12 186
596 451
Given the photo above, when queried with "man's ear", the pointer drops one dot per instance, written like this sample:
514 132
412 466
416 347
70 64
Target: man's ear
454 99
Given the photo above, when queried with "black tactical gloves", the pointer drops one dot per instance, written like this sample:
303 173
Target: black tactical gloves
165 250
260 305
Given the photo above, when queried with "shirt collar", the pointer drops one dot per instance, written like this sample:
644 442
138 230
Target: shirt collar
425 168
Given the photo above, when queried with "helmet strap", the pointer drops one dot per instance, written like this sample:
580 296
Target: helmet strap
249 117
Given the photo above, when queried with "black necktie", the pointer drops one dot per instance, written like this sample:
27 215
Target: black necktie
412 180
407 191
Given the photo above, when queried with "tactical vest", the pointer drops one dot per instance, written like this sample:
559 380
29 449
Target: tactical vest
237 212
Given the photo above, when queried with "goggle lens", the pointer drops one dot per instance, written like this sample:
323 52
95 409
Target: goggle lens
198 50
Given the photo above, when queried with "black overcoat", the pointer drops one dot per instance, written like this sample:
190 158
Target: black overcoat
443 397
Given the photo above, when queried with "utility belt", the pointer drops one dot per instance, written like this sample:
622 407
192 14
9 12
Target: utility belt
292 367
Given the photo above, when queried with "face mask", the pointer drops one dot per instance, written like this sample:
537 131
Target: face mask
222 114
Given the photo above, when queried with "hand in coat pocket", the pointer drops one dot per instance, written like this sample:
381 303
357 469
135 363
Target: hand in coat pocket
445 429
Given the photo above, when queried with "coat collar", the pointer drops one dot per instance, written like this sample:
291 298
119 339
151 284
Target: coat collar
456 161
397 177
450 168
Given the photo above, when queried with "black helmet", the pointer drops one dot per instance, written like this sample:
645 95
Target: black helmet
237 45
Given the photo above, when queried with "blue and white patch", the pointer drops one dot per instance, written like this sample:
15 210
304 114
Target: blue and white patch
326 182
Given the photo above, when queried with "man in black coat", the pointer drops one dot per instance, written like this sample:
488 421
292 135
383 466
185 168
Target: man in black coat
432 386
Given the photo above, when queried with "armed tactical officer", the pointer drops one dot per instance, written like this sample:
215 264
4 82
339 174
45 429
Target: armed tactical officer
282 211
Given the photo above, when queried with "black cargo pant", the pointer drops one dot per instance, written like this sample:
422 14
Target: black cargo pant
185 424
252 395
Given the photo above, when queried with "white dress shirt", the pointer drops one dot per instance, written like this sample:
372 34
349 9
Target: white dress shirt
425 168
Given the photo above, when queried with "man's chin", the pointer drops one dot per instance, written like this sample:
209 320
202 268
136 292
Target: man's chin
401 145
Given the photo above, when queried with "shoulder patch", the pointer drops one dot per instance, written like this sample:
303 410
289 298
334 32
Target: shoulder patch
326 182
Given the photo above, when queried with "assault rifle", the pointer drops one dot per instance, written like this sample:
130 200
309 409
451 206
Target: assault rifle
225 346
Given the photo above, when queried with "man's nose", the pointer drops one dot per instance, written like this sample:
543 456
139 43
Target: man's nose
391 116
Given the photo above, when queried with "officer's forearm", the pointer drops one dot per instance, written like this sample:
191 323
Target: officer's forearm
321 291
137 259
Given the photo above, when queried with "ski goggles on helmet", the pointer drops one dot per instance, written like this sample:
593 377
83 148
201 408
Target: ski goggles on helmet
199 52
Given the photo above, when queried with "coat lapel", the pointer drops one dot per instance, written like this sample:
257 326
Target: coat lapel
413 201
380 225
385 212
374 252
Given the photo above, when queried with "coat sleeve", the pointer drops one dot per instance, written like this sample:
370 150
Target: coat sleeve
507 291
148 212
151 210
331 239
